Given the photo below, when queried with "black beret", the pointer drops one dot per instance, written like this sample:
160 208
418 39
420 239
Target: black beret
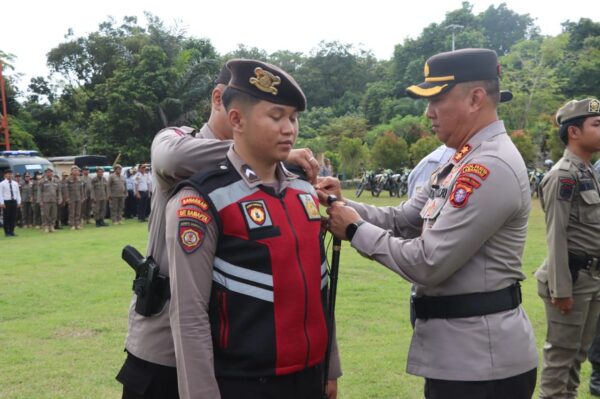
224 76
266 82
442 71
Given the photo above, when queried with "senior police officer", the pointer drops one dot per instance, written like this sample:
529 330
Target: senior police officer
75 193
569 279
472 339
238 297
49 197
117 191
177 152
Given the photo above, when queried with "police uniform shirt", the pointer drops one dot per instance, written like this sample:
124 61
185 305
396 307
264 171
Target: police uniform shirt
191 284
9 190
420 175
572 209
143 181
473 236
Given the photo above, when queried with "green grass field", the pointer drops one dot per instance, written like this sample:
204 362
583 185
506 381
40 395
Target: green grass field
64 299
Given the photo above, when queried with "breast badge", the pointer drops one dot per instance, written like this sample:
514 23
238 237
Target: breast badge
310 208
256 214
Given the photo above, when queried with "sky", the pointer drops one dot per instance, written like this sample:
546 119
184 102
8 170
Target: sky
29 29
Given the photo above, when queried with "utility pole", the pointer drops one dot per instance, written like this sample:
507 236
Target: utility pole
4 114
453 28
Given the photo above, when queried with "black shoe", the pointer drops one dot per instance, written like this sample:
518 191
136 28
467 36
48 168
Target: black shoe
595 380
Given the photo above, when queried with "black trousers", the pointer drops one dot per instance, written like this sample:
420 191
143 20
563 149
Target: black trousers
130 207
594 353
144 380
9 216
142 205
305 384
518 387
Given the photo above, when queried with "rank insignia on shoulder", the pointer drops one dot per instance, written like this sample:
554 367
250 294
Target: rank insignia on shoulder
195 201
308 202
191 213
566 187
461 154
460 195
190 236
256 214
475 169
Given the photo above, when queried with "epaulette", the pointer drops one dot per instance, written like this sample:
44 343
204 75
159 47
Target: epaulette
200 178
564 164
297 170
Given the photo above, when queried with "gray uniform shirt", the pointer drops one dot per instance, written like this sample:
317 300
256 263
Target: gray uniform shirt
569 195
74 189
176 155
27 191
117 186
49 191
99 188
470 242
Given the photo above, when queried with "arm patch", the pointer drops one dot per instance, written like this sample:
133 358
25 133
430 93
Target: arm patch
566 188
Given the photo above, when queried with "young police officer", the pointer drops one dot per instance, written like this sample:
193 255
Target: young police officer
569 279
247 266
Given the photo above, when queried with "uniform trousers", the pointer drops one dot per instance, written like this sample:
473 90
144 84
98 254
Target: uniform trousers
142 205
86 210
116 208
9 216
27 212
145 380
568 337
130 207
518 387
74 213
49 211
99 209
37 214
305 384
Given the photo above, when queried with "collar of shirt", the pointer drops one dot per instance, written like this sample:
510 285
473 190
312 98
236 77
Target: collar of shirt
568 154
493 129
206 132
283 175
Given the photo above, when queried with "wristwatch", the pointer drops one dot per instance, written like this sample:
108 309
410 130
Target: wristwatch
351 229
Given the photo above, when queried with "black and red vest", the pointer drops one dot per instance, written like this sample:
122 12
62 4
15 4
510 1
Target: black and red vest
268 298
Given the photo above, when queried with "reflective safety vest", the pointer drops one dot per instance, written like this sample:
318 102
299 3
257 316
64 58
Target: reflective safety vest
268 298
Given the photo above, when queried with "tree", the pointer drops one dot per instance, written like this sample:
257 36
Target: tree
423 147
353 155
350 126
503 28
525 146
389 152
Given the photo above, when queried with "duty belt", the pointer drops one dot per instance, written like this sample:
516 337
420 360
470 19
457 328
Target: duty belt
583 261
467 305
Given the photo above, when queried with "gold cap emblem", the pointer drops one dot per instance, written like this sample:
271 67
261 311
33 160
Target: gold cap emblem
426 69
594 106
265 81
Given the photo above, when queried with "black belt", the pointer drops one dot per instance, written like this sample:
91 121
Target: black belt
467 305
583 261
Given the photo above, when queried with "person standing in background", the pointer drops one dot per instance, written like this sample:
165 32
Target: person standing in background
142 188
10 201
117 191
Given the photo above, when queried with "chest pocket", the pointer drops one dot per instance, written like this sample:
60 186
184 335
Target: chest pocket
589 209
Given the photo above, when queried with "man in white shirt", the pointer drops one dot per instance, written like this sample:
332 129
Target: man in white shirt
142 188
10 201
419 176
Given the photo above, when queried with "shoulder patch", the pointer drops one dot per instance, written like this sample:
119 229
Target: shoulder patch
476 169
192 213
468 180
460 195
566 187
190 236
195 201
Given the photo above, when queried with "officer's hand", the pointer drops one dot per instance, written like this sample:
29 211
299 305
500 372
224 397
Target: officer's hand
340 216
332 389
563 304
304 158
327 186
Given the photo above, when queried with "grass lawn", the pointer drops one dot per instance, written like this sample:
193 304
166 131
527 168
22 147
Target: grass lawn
64 299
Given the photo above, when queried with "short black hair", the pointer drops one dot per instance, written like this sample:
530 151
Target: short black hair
231 94
563 131
491 87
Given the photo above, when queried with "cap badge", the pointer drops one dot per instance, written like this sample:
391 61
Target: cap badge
265 81
594 106
426 70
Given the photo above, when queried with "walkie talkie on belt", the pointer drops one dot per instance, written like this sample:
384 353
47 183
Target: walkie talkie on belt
152 288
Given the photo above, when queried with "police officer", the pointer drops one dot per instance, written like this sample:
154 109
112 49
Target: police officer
37 210
74 197
177 152
26 200
99 196
117 191
50 196
63 209
237 296
472 339
86 203
569 279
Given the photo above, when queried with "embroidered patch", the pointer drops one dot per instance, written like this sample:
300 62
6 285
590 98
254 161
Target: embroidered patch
310 208
249 173
190 213
565 189
460 195
468 181
461 154
191 236
594 106
195 201
476 169
256 214
265 81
